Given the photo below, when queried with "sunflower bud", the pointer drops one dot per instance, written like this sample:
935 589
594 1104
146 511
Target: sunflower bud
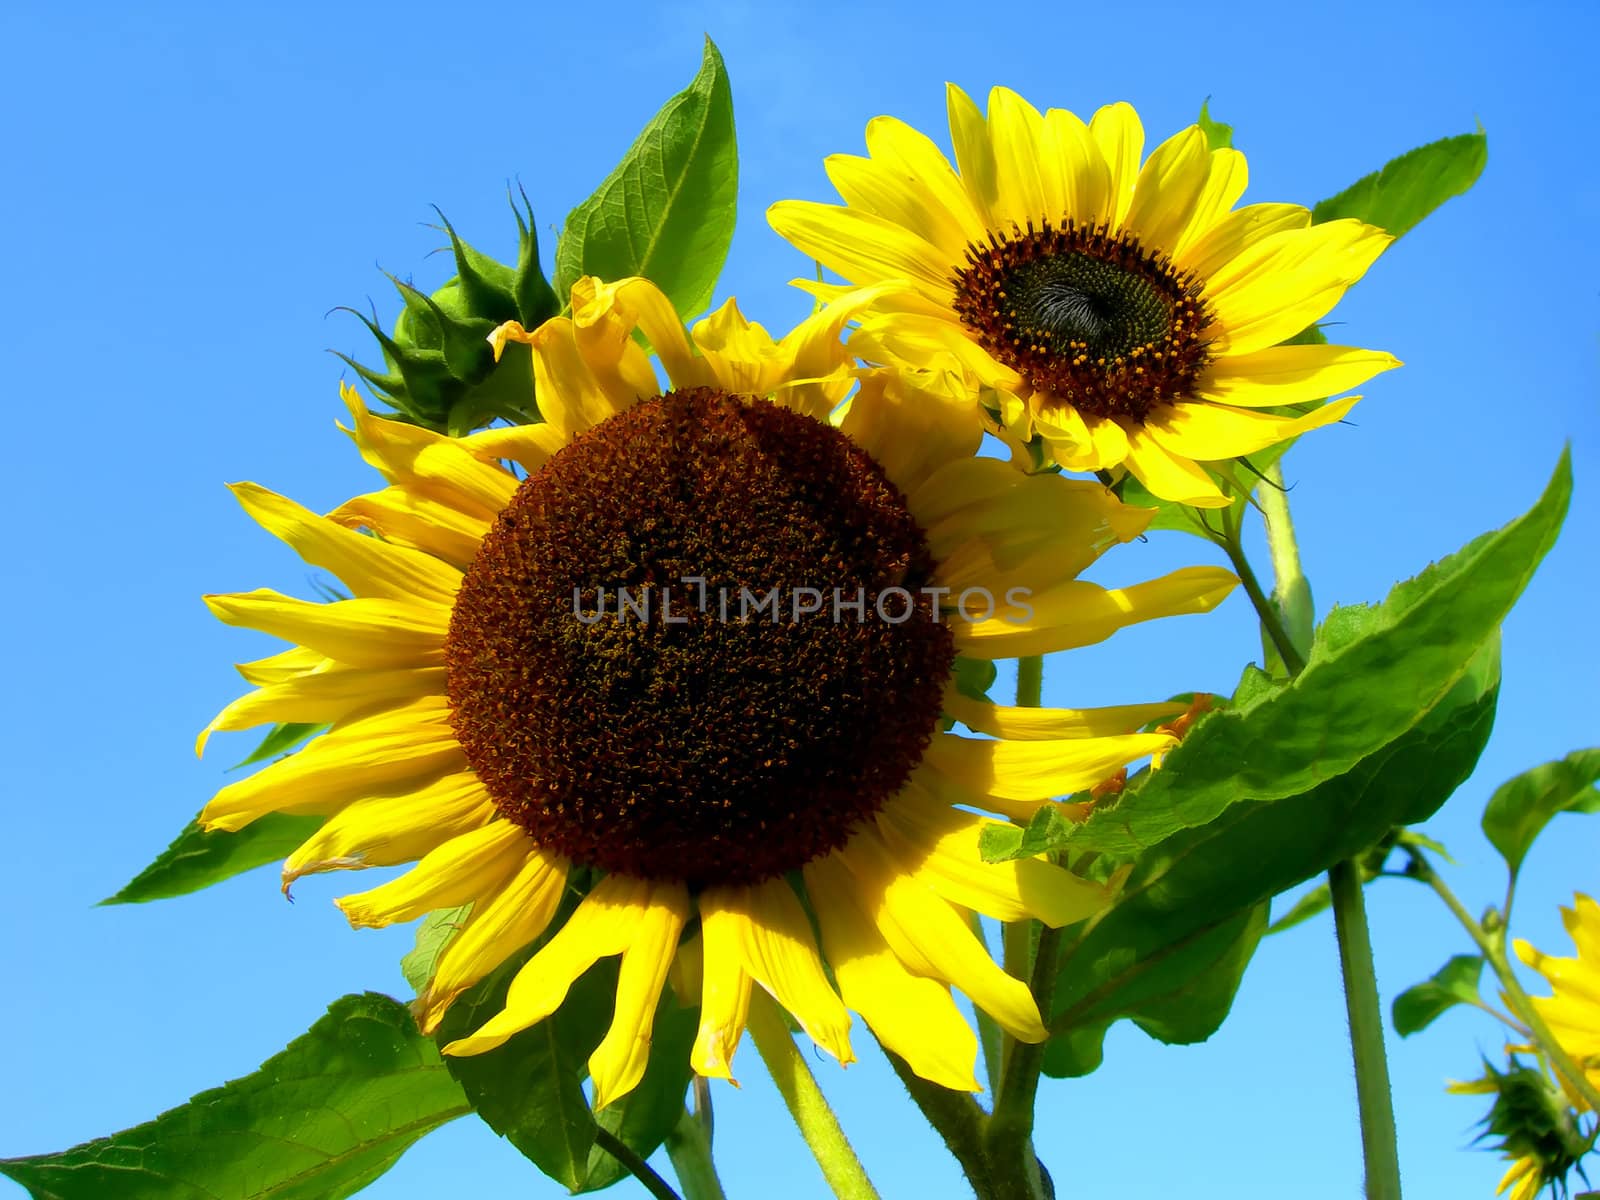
1531 1117
439 370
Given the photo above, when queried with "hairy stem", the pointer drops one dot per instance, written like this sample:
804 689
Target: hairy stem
1009 1138
637 1167
1493 947
807 1105
1366 1033
956 1117
689 1148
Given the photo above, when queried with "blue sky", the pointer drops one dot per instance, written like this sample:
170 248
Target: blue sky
193 187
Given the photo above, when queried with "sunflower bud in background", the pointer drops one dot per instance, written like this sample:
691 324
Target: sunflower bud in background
439 370
1536 1128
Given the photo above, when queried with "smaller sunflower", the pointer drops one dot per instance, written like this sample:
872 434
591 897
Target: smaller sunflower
1573 1012
1127 315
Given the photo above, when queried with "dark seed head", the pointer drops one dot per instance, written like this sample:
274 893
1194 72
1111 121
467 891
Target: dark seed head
1089 318
673 739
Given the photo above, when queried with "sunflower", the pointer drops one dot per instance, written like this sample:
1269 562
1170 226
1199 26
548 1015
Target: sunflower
1127 315
696 642
1573 1012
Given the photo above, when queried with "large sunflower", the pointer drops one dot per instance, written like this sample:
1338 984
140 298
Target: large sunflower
503 716
1126 315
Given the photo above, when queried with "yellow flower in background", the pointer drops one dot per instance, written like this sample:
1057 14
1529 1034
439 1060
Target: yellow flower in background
496 720
1127 315
1573 1012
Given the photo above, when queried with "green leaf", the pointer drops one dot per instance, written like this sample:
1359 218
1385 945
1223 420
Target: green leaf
530 1090
1182 925
197 859
318 1121
1373 673
645 1116
667 211
279 741
1218 135
1520 808
437 930
1314 903
1454 983
1411 186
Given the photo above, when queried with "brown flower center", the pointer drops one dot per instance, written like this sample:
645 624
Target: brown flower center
694 645
1088 318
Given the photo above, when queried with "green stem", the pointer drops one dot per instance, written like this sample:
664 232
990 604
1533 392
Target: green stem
1009 1138
1291 593
637 1167
957 1119
1016 937
1366 1033
1030 681
1288 619
807 1105
689 1148
1493 946
1266 611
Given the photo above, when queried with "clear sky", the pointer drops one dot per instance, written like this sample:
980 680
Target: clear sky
190 188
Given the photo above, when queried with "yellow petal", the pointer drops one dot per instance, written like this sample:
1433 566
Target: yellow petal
602 925
1171 476
932 940
385 830
1235 231
429 463
324 696
463 869
602 328
571 399
1290 374
529 446
764 928
1170 186
361 633
724 1003
911 1015
1117 131
874 187
1079 613
1085 179
1273 289
501 923
969 136
913 425
619 1061
405 518
912 157
1015 131
1225 183
283 666
1048 724
369 567
1211 432
939 846
863 248
1035 770
659 323
371 756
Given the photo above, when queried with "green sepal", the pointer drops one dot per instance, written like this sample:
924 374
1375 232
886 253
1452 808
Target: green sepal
1532 1119
536 301
486 286
1218 135
1454 983
462 341
319 1121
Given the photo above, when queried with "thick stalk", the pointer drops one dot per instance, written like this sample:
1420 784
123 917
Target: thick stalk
956 1117
689 1148
1288 620
807 1105
1366 1033
1009 1138
637 1167
1493 947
